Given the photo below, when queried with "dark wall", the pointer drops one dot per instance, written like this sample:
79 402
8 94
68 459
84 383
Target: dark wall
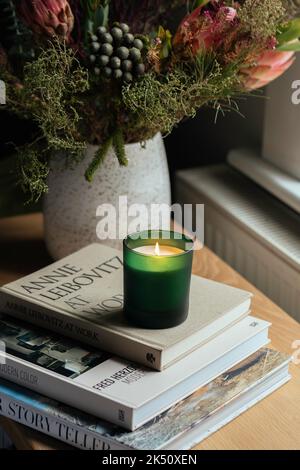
13 132
198 141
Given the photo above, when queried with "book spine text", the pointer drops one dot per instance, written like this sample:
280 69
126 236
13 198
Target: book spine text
65 391
77 328
54 426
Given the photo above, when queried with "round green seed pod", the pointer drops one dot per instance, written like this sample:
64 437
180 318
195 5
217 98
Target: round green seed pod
127 65
128 39
97 71
117 74
122 52
103 60
107 72
128 77
106 38
138 43
115 62
94 38
135 54
101 30
92 58
107 49
95 46
124 27
139 69
117 34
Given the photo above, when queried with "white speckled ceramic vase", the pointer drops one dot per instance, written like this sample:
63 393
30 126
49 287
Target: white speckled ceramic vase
70 206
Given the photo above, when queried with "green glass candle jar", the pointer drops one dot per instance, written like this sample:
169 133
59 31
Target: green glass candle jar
157 275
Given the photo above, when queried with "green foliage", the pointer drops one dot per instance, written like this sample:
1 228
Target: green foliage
288 36
161 102
262 17
96 14
72 108
32 172
51 96
11 194
98 159
53 84
116 140
166 42
119 147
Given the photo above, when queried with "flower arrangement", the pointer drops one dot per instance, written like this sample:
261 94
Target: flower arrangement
111 72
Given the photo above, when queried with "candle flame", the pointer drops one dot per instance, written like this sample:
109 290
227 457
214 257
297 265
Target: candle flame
157 250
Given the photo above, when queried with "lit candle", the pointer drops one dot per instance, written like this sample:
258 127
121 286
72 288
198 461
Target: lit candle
157 273
158 250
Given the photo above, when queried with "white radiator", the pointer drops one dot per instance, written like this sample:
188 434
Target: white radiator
249 229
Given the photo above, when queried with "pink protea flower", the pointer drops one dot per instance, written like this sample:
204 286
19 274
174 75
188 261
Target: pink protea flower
48 17
205 29
269 66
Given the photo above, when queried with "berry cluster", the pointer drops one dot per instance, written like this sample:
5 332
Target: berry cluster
117 53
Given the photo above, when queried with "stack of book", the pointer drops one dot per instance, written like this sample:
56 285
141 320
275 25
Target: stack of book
72 368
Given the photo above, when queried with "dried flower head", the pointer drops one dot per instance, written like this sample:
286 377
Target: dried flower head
48 17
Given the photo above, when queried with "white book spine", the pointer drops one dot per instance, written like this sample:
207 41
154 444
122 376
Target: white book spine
57 427
81 397
77 328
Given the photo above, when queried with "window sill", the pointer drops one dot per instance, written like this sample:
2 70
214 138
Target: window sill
281 185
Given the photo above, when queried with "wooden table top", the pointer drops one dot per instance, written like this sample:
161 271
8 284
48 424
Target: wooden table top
273 423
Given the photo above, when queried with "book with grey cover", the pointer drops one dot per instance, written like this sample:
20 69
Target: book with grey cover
81 296
181 427
111 388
